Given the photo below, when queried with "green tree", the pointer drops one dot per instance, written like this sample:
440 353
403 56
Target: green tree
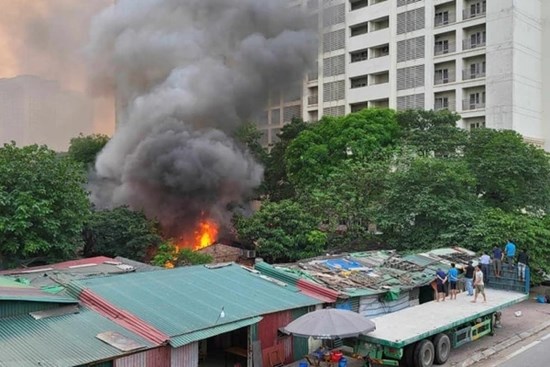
120 232
511 173
249 135
282 231
42 203
427 203
84 149
168 255
357 136
344 200
432 133
277 185
532 233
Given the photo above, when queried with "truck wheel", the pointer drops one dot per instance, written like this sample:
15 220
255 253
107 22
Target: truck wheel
424 354
408 356
442 345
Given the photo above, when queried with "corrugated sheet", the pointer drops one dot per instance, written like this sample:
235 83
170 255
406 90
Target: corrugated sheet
12 290
157 357
186 356
197 295
300 345
268 335
15 308
180 340
67 340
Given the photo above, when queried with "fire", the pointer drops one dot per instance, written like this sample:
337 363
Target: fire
206 234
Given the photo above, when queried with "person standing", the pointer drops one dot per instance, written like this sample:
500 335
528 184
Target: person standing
484 261
497 261
469 278
523 262
479 285
510 252
453 280
440 278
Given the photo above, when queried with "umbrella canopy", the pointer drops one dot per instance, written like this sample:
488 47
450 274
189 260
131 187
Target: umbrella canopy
330 323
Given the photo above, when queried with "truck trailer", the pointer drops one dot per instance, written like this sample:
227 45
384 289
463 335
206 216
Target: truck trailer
424 335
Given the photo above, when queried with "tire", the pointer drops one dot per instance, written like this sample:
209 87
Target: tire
408 356
442 346
424 354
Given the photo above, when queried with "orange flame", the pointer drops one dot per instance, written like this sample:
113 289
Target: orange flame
206 234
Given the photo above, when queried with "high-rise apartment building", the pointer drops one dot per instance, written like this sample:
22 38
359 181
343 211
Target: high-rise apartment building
488 60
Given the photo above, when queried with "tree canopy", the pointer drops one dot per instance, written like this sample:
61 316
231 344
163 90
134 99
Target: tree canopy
120 232
43 204
84 149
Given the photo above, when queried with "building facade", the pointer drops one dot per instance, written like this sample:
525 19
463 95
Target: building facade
483 59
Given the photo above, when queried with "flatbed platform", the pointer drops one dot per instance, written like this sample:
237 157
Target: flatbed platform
401 328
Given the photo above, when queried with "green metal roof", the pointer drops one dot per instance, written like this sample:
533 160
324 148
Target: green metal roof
178 341
183 300
13 290
59 341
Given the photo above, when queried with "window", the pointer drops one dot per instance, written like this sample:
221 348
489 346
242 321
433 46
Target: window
442 18
359 29
441 103
477 125
441 47
477 39
359 55
358 4
477 100
359 82
478 8
441 76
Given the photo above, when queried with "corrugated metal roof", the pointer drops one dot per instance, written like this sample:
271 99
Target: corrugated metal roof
60 341
178 341
12 290
187 299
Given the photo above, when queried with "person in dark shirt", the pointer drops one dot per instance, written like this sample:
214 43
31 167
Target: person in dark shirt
469 278
497 261
440 278
523 262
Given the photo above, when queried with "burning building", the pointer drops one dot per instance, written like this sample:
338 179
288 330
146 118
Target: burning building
173 154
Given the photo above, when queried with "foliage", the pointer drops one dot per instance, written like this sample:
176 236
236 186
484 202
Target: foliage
249 135
511 173
432 133
42 203
343 200
168 255
532 233
427 203
120 232
357 136
282 231
84 149
276 183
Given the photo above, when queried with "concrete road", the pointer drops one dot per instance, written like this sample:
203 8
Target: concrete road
533 352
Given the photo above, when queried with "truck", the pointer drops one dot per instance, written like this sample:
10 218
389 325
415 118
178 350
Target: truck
424 335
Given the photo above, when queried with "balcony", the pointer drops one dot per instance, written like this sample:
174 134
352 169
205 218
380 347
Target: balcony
444 77
312 100
470 105
312 76
444 104
443 18
475 10
444 47
469 74
469 44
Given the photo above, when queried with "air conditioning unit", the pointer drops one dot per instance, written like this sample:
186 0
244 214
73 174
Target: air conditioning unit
249 254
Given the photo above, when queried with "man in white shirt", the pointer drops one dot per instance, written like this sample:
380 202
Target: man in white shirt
484 261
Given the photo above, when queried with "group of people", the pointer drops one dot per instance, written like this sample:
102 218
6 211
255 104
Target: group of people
476 277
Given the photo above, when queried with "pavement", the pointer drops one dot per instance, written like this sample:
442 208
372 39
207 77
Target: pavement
535 317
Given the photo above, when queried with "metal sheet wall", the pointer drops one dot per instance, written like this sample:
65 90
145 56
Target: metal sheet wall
186 356
158 357
267 334
300 345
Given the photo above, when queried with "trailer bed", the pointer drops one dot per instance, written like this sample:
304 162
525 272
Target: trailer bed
401 328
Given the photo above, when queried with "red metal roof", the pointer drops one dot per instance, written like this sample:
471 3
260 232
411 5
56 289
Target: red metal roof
317 291
122 317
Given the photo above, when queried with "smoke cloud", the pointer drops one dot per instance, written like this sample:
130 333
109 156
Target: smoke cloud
187 74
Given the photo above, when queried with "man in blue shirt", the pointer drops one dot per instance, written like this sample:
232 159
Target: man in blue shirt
453 279
510 251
